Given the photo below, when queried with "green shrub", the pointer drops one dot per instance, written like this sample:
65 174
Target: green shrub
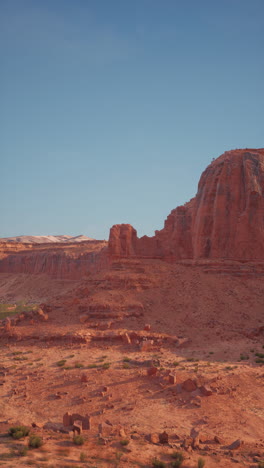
124 442
158 464
201 462
106 365
243 357
35 441
83 457
61 363
178 459
126 365
78 365
126 359
260 355
259 361
78 440
17 432
22 451
175 363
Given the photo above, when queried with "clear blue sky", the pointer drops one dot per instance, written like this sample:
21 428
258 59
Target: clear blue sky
111 109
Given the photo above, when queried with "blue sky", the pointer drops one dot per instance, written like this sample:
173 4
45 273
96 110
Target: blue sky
111 109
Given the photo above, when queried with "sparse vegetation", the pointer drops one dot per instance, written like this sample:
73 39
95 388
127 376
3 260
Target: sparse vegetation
92 366
78 440
244 357
259 361
18 432
178 459
78 365
201 462
7 310
126 365
158 463
35 441
261 464
83 457
175 363
260 355
106 365
126 359
61 363
124 442
22 451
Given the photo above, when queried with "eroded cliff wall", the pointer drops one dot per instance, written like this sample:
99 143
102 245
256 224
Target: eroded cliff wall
224 220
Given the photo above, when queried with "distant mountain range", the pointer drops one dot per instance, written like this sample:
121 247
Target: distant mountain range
45 239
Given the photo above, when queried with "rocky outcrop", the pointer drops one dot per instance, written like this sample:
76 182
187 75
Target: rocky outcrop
224 220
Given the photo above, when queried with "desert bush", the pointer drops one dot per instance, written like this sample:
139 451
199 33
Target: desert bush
83 457
243 357
158 463
106 365
259 361
22 451
78 365
78 440
261 464
124 442
201 462
178 459
61 363
17 432
35 441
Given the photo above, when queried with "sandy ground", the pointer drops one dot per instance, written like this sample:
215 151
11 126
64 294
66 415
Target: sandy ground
202 319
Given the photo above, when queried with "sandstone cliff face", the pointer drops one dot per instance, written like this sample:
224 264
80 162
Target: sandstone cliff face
224 220
71 262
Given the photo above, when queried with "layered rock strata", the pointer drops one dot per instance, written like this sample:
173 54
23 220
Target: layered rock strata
225 219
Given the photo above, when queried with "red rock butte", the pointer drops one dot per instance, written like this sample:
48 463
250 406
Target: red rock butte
224 220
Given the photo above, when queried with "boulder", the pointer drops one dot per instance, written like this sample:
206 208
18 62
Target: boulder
189 385
172 379
205 390
151 371
235 445
154 438
164 438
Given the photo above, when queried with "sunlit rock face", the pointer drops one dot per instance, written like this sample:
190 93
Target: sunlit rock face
225 219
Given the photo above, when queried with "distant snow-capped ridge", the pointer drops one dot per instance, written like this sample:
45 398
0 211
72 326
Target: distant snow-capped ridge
45 239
